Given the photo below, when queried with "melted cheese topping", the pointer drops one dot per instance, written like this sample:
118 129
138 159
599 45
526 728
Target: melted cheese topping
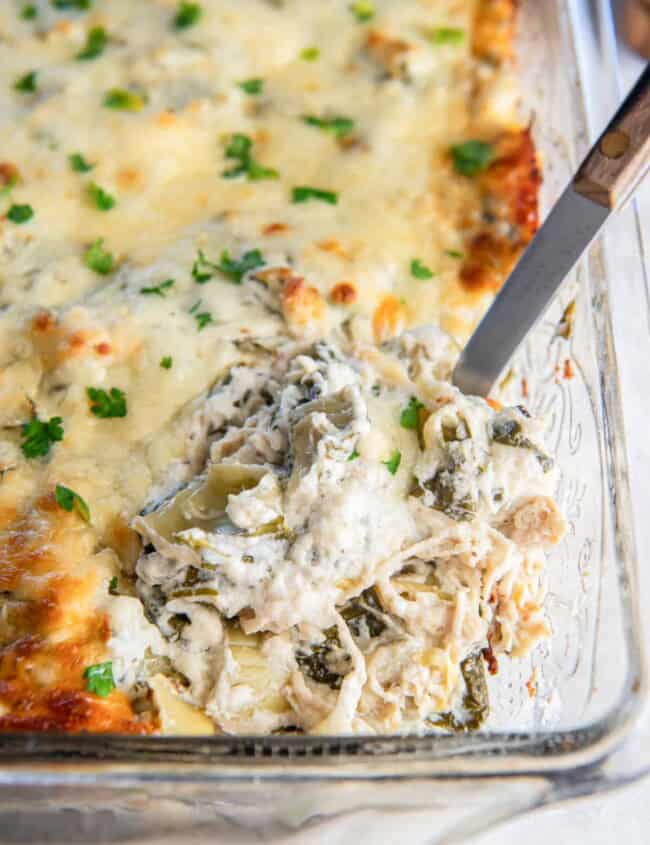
409 94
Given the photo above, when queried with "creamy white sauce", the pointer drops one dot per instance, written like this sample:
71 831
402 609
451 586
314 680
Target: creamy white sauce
446 527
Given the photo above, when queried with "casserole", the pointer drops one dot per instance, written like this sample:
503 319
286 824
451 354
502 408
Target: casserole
237 567
595 670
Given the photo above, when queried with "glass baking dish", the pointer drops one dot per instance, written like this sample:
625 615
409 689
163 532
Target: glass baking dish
582 732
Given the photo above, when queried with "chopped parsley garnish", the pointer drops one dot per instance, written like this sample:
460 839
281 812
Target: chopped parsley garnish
99 679
420 270
202 269
81 5
69 501
303 193
123 100
363 10
26 84
158 290
79 163
339 126
471 157
252 86
453 253
28 12
236 268
20 213
98 259
187 15
410 416
100 198
112 585
392 464
238 148
310 54
166 362
203 319
447 35
107 403
96 40
353 455
39 436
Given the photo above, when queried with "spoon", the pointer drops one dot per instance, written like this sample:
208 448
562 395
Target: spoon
609 175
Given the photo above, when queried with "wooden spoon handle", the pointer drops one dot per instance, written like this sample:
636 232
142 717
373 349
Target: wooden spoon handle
622 154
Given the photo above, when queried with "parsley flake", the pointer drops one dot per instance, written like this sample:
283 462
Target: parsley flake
310 54
447 35
363 10
69 501
28 12
252 86
26 84
203 319
353 455
99 259
39 436
80 5
79 164
303 193
107 404
202 269
453 253
166 362
20 213
96 40
112 586
236 268
471 157
187 15
392 464
410 416
123 100
100 198
99 679
339 126
420 270
239 148
158 290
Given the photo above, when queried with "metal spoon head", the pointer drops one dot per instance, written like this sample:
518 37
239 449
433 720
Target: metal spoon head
568 230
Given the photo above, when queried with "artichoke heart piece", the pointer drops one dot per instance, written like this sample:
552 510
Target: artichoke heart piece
254 670
475 706
176 715
202 504
306 432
